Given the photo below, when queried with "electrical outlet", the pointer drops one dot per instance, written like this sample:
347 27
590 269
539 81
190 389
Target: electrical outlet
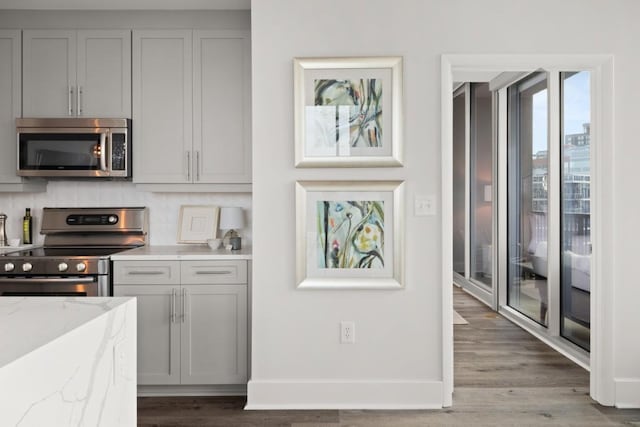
347 332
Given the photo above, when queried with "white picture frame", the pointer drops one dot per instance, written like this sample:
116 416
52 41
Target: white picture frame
350 234
197 223
348 111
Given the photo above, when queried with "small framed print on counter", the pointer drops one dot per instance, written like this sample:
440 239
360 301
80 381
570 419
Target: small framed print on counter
197 224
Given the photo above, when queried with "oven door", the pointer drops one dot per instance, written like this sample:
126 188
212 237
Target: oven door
64 152
86 286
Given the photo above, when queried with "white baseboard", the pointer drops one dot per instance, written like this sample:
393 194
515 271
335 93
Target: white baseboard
344 395
192 390
627 393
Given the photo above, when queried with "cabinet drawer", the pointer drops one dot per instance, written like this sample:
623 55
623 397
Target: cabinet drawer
146 272
213 272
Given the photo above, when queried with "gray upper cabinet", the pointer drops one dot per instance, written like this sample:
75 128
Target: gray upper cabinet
192 107
222 106
10 105
162 100
73 73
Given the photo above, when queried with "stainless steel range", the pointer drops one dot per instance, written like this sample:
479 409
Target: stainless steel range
74 260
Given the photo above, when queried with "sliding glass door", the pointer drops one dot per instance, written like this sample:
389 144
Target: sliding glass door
481 185
527 198
576 210
473 171
459 180
548 204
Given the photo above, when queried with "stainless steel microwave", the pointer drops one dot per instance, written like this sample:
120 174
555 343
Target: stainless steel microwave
74 147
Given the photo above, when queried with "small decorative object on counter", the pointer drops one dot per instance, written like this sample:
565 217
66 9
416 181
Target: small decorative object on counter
3 230
27 223
214 243
236 243
232 219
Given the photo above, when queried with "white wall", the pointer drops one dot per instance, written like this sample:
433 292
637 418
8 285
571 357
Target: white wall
397 359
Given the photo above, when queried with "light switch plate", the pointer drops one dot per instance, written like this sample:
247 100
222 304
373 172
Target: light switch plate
424 205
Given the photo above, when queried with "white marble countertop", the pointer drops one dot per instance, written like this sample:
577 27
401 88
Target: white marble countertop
181 252
28 323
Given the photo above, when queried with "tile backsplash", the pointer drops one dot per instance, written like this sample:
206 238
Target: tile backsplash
164 208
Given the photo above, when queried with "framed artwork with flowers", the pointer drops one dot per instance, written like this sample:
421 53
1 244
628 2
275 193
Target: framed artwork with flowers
349 234
348 111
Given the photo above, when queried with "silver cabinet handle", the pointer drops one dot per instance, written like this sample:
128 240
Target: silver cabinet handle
197 165
215 272
173 305
188 166
144 273
70 99
184 304
79 100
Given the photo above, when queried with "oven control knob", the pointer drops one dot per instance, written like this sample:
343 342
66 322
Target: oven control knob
9 267
63 267
81 266
112 219
27 267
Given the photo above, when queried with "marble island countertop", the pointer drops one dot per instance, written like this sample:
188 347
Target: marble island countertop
28 323
181 252
68 361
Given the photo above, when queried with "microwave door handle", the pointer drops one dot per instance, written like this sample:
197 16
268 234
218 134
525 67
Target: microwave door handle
103 151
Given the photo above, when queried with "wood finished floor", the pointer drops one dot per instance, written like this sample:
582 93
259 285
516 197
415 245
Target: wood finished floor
503 377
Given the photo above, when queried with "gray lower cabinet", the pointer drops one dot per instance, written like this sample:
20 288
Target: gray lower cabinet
192 320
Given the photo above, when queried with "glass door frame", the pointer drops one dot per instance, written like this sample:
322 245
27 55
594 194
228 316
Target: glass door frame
459 67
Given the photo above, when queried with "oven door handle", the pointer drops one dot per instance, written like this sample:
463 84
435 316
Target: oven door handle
59 280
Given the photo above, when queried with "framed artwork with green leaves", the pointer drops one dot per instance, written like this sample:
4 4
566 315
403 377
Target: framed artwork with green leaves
348 112
349 234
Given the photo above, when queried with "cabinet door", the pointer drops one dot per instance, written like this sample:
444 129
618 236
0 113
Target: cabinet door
104 74
48 73
214 334
222 106
162 106
158 332
9 103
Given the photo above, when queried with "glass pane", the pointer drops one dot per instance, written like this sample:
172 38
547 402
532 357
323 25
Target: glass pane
528 166
481 183
576 217
60 151
458 183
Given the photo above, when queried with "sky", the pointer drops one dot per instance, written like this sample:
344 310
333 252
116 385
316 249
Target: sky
577 106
